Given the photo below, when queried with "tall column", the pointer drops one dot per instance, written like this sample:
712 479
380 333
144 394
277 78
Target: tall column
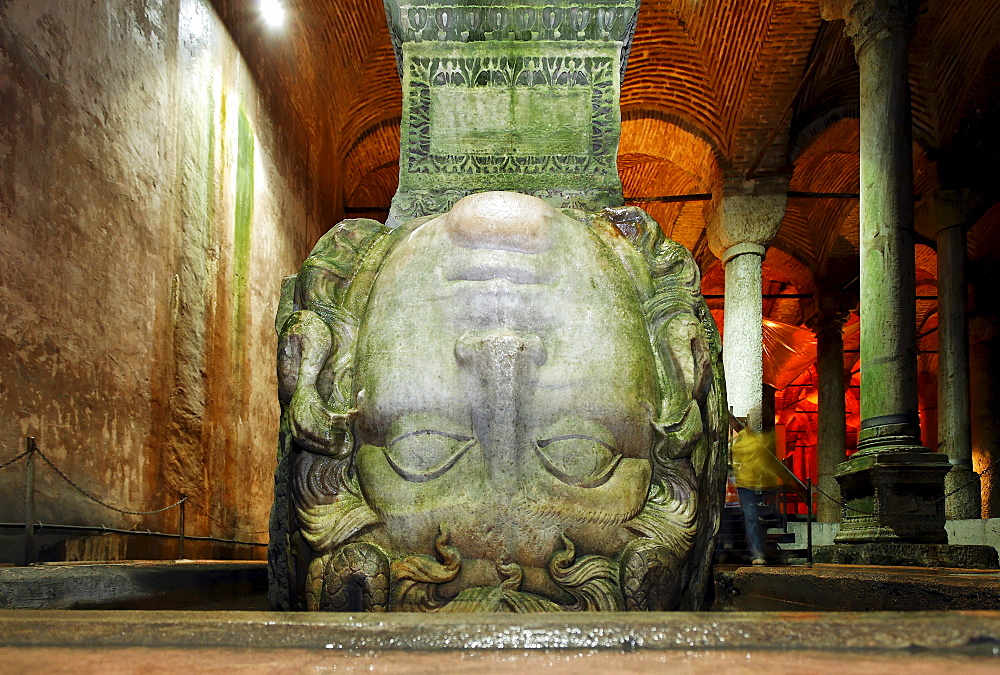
954 420
880 29
744 223
946 215
984 359
893 485
831 435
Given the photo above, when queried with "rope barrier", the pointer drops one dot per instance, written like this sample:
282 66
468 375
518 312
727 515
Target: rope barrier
222 524
15 459
92 498
33 448
104 529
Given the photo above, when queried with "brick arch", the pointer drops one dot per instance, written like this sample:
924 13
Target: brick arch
668 73
374 191
376 148
659 158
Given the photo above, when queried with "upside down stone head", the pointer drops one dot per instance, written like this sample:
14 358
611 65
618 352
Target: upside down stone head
502 408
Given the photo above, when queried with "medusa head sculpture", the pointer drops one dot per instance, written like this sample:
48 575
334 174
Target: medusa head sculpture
502 408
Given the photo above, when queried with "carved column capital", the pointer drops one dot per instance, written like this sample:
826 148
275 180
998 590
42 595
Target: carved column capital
748 212
949 208
828 321
834 297
870 19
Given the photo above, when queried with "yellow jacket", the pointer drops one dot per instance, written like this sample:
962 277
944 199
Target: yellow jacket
754 465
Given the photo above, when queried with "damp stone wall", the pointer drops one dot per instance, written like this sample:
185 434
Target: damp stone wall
149 208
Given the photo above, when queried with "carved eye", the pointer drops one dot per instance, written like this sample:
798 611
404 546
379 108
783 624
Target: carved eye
580 460
426 454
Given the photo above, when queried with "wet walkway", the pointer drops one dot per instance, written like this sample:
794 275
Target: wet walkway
215 639
171 641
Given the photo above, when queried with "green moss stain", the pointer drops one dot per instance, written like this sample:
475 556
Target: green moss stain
210 161
242 233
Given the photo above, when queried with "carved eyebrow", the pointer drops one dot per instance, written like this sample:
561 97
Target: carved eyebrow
548 441
421 432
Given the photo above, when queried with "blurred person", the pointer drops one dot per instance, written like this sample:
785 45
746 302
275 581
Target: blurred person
758 474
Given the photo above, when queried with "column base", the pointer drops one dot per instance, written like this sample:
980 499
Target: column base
902 554
894 496
967 502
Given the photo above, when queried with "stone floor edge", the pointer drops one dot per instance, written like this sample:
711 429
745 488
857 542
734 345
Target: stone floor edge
835 631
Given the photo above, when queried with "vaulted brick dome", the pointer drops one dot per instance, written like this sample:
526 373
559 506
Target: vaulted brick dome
714 89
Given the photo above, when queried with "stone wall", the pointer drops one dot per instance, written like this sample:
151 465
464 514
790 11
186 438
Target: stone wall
149 208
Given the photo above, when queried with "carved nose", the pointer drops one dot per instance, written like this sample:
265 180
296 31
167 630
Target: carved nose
504 221
501 380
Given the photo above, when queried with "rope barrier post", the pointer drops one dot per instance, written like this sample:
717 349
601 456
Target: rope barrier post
180 529
29 502
809 521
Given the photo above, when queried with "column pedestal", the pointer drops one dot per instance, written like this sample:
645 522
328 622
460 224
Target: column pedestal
897 496
966 503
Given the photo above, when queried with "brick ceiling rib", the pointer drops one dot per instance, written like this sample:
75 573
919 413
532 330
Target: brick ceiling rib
829 164
380 99
790 269
377 149
984 236
642 174
831 92
951 46
377 188
731 35
767 95
667 71
925 175
661 139
657 158
794 234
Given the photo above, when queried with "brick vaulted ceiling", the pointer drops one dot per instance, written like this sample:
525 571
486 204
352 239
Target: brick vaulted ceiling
714 89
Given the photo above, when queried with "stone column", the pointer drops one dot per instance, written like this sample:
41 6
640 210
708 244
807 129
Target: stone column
945 216
954 428
880 29
743 353
831 436
893 485
744 223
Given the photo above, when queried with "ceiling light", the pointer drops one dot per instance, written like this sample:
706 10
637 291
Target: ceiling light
273 12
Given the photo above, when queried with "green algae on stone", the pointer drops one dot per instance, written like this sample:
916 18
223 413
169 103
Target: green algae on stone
241 230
